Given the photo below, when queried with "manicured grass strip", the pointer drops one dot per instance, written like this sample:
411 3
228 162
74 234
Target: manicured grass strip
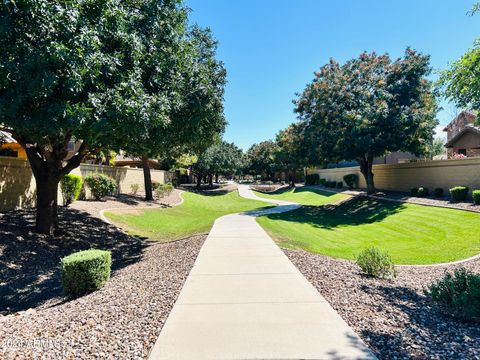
412 234
196 215
304 196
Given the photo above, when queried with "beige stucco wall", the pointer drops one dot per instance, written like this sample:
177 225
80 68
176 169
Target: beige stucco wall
17 184
403 177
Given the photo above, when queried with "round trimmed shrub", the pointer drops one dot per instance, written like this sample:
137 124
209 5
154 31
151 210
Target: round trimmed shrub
351 180
414 191
71 186
476 197
459 193
85 271
438 192
323 182
101 185
422 192
312 179
376 263
457 294
339 185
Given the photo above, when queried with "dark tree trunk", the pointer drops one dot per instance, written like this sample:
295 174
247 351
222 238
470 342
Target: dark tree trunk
292 179
199 182
46 205
147 178
210 179
366 163
216 178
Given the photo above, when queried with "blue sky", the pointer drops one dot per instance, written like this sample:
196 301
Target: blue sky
271 48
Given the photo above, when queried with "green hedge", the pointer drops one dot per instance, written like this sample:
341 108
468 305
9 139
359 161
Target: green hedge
323 182
476 197
101 185
85 271
71 186
351 180
458 294
459 193
339 185
414 191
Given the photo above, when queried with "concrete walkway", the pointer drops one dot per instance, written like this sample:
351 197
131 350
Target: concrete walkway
244 299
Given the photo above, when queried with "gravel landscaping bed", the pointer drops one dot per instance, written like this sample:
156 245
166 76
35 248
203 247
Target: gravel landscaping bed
394 318
124 201
120 321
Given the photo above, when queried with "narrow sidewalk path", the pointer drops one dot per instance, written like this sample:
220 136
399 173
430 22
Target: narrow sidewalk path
244 299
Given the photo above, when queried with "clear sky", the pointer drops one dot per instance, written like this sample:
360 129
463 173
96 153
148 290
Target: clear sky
271 48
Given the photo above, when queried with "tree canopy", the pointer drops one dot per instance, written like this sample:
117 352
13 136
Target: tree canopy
369 106
106 74
261 159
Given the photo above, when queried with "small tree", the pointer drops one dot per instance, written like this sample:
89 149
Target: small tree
367 107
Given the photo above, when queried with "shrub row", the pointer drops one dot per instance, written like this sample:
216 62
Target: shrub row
312 179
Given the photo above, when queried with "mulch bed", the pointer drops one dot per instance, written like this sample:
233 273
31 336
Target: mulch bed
394 318
121 320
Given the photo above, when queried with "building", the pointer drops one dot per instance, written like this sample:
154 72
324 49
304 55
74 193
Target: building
463 136
9 147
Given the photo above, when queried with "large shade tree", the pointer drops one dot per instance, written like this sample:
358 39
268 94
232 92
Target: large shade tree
63 68
77 71
369 106
180 94
261 159
291 154
222 158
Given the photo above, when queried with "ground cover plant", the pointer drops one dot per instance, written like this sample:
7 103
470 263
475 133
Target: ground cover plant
376 263
196 215
304 196
411 233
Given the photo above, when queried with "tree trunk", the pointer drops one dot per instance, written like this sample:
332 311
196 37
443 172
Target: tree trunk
366 163
46 211
216 178
210 179
147 178
292 179
199 182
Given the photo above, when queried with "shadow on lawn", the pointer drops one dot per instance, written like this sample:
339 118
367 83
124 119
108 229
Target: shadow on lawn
355 211
29 264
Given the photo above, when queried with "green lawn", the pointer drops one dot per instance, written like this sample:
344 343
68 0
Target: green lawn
304 196
196 215
412 234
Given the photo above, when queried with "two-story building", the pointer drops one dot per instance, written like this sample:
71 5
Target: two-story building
463 135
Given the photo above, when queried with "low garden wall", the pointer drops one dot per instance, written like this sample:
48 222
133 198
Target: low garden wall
404 176
17 184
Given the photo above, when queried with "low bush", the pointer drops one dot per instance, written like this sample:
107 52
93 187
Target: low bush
414 191
85 271
323 182
422 192
438 192
71 186
376 263
100 185
134 189
339 185
459 193
163 190
351 180
476 197
312 179
458 294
